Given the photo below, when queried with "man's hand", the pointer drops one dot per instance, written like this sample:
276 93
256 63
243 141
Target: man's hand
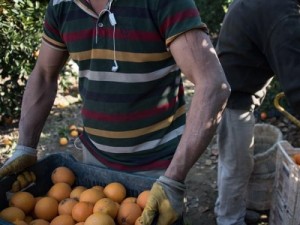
165 200
22 158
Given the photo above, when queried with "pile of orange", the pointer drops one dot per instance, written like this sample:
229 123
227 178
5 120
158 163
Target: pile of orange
68 204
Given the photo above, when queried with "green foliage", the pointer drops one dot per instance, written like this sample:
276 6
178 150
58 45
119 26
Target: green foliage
20 32
212 13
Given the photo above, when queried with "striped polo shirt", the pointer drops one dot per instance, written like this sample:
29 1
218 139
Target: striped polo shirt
133 118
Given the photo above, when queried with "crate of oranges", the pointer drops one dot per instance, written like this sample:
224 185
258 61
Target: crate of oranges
60 190
286 198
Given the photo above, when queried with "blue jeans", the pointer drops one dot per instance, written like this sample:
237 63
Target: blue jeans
236 145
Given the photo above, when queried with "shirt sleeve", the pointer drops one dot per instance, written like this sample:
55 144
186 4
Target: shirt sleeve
283 54
51 33
176 17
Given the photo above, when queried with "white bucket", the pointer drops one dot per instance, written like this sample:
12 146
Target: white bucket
261 183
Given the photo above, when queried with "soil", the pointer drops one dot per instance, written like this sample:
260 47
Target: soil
201 180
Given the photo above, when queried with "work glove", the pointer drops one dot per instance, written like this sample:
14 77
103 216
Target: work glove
22 158
165 200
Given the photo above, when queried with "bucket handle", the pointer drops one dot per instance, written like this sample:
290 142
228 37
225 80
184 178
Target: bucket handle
283 111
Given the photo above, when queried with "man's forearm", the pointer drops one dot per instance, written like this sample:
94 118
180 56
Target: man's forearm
202 121
37 101
201 66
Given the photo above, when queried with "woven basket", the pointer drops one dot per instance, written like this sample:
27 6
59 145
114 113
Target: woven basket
260 187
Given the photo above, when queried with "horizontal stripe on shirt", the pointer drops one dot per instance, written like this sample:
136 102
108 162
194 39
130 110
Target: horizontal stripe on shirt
127 77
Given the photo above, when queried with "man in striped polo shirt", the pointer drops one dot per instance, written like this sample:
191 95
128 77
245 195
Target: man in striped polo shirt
130 56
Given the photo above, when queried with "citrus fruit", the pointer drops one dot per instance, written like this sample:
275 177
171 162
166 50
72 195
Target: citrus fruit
63 220
66 205
46 208
63 174
20 222
23 200
296 158
99 219
59 191
263 115
128 213
91 195
74 133
39 222
98 187
129 199
12 214
63 141
72 127
76 192
142 198
115 191
106 205
82 210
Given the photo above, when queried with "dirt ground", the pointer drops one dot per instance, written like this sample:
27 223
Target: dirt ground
201 180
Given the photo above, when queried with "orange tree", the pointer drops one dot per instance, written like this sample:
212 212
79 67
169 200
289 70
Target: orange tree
21 23
20 31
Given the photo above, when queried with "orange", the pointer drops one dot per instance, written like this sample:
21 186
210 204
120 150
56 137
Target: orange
63 141
115 191
128 213
81 211
63 220
142 198
12 214
99 219
63 174
76 192
23 200
72 127
36 53
20 222
39 222
59 191
129 199
74 133
46 208
296 158
108 206
98 187
263 115
91 195
66 205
